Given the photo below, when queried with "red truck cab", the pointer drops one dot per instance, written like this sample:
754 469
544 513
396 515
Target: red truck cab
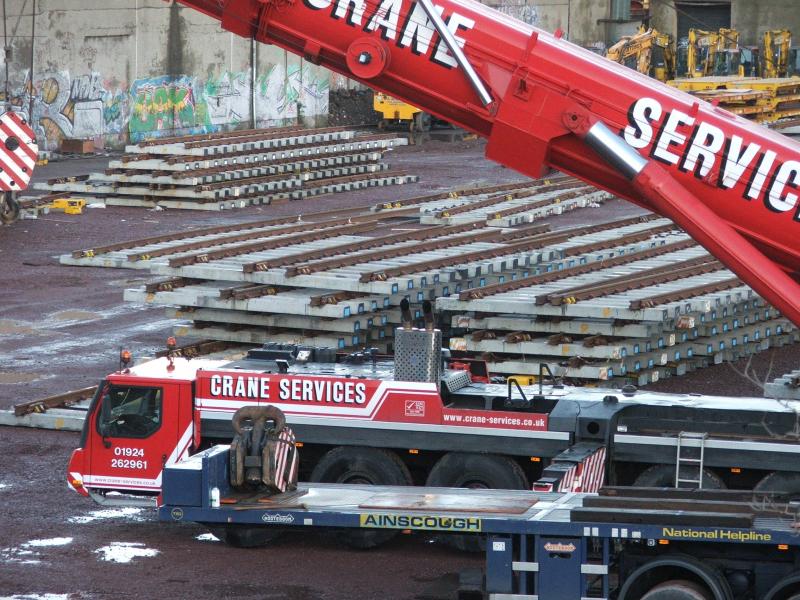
132 426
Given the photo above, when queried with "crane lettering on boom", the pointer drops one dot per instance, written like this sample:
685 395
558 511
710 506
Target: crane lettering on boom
415 32
707 147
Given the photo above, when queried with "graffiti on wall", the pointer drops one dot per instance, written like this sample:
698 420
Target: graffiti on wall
519 10
286 93
188 105
83 107
165 105
87 106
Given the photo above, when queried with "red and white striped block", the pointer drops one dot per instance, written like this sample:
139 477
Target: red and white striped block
18 152
286 463
586 476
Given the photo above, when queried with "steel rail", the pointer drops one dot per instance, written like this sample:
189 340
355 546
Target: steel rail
486 236
624 283
185 158
373 242
532 191
273 242
530 243
685 293
523 282
57 401
208 136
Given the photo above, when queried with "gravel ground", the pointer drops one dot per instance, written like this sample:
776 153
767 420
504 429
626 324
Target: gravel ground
61 328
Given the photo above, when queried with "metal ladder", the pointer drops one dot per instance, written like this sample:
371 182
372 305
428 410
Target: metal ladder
684 459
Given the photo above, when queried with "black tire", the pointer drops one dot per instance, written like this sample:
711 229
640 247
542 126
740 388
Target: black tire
779 483
422 122
484 471
247 536
664 476
364 466
677 590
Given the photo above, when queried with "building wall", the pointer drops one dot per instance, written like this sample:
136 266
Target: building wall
126 70
752 18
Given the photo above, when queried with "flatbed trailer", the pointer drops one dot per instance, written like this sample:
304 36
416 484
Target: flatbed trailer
624 543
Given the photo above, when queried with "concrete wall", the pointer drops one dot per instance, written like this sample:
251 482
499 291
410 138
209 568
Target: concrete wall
578 19
752 18
583 19
126 70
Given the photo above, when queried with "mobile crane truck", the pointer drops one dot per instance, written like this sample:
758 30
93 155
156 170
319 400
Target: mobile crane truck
542 103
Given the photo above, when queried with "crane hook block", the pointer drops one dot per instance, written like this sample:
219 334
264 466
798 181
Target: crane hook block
367 58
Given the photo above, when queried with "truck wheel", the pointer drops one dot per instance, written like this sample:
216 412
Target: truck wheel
370 466
780 483
478 471
481 471
246 536
664 476
677 590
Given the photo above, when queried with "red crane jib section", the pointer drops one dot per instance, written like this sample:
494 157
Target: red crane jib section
731 184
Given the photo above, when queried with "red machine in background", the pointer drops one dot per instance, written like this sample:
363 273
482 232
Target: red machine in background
543 102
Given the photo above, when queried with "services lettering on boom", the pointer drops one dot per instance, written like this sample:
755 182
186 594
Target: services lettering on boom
706 148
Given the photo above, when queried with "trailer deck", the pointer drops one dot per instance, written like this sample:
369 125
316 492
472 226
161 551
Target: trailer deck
539 545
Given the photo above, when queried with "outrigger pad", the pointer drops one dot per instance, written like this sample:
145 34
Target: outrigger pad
263 456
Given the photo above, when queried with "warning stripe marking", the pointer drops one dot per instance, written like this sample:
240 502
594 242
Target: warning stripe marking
17 165
22 155
24 133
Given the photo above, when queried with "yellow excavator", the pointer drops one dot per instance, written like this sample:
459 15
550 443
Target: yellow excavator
777 47
649 52
716 54
398 114
706 53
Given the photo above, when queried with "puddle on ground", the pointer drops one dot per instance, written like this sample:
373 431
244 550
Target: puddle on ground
19 556
36 597
75 315
9 327
126 512
124 552
60 541
24 555
16 378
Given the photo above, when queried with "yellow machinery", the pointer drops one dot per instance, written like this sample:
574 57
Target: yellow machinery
649 52
70 206
777 45
707 53
395 112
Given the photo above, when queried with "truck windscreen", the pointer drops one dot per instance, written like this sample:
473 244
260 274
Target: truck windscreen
133 412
